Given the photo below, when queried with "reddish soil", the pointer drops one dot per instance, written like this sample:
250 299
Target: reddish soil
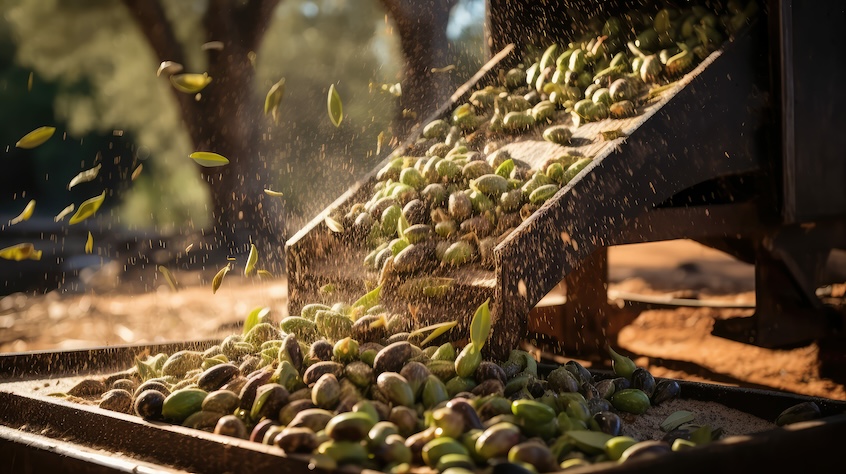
671 343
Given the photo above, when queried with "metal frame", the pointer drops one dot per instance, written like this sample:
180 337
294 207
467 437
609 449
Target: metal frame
78 438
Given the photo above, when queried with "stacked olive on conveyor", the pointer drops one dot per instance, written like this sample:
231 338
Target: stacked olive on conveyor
455 194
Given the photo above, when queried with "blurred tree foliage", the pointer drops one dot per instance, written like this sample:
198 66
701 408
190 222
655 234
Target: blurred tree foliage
103 70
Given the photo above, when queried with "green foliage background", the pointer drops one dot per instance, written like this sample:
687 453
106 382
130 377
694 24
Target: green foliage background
95 74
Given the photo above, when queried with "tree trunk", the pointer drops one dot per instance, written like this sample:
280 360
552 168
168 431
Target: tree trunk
422 29
226 118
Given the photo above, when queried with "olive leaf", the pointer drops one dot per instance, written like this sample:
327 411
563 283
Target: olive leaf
264 274
87 209
25 214
438 70
674 420
369 300
480 326
208 159
334 225
252 259
89 244
20 252
218 278
145 370
190 83
273 99
29 82
61 215
85 176
169 68
212 45
136 172
336 108
189 247
436 330
614 134
402 225
505 168
169 278
254 318
379 140
273 193
35 137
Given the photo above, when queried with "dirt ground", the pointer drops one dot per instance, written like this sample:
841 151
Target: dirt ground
670 342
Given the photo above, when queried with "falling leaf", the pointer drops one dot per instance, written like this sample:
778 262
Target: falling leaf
169 68
190 83
274 98
480 326
137 172
250 267
87 209
218 278
29 82
20 252
437 330
336 108
379 140
85 176
264 274
436 70
189 247
89 244
334 225
212 45
326 289
273 193
61 215
35 137
25 214
208 159
169 278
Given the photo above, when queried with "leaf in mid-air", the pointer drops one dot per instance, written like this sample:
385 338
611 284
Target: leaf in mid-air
273 99
35 137
480 326
25 214
334 225
273 193
61 215
264 274
137 172
336 108
252 259
89 244
85 176
218 278
190 83
87 209
169 68
169 278
208 159
21 252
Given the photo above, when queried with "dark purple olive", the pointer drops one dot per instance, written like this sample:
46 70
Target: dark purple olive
645 450
489 370
321 350
292 348
644 381
596 405
608 423
216 376
152 385
582 374
665 390
148 404
621 383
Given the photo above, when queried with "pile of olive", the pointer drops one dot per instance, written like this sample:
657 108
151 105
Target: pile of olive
456 194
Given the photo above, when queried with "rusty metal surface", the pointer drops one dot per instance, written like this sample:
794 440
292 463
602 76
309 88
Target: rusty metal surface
86 433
